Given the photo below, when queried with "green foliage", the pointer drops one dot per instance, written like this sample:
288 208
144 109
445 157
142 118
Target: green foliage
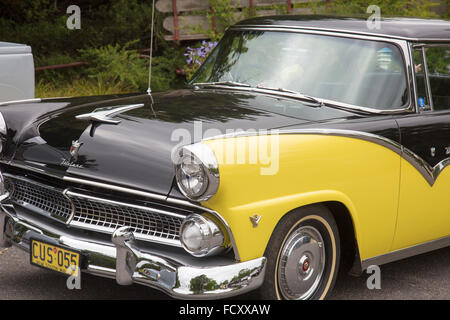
58 75
223 15
42 24
164 67
114 64
413 8
78 87
108 32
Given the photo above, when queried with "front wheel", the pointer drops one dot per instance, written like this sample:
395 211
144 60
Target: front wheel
302 256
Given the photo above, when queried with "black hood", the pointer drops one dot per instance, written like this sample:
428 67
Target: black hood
137 151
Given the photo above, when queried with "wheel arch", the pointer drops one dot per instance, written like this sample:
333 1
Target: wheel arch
350 257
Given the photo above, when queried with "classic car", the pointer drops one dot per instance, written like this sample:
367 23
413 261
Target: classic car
302 146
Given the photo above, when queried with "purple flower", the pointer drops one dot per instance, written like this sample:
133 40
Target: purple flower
198 55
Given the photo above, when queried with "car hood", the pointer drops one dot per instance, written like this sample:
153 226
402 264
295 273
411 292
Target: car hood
136 152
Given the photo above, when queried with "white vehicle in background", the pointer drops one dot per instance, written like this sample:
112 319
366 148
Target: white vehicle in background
16 72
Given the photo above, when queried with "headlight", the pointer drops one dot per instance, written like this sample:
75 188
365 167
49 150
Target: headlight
197 172
200 236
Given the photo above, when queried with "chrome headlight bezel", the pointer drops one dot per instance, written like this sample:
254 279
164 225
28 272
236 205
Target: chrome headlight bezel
3 132
201 155
210 239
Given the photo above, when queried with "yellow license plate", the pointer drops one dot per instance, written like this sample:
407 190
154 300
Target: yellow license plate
54 257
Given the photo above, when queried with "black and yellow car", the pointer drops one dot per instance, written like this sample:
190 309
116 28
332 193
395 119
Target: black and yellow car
302 145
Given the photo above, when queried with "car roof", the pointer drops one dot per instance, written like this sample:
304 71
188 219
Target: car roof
413 29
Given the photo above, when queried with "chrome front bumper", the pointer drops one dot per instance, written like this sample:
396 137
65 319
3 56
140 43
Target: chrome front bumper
122 258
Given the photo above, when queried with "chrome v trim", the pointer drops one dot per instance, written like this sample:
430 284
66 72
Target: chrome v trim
105 116
429 172
407 252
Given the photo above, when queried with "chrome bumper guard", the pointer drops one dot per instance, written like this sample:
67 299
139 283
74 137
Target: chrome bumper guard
122 259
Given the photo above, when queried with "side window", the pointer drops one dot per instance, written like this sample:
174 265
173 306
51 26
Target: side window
421 86
438 65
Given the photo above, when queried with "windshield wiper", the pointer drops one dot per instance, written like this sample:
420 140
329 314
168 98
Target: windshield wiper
219 83
316 101
295 94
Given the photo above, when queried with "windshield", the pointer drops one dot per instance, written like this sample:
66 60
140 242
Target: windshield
358 72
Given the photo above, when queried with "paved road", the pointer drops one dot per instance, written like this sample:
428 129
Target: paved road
422 277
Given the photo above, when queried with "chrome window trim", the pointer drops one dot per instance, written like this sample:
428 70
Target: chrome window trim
422 47
344 31
413 79
427 79
429 172
402 44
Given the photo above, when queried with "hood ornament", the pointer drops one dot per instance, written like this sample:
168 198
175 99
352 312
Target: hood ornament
105 115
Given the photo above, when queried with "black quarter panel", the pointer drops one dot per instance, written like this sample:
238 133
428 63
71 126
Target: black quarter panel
427 135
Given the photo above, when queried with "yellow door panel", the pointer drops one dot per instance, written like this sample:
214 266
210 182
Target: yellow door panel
424 210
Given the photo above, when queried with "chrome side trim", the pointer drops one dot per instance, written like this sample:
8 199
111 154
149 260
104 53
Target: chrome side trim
407 252
429 172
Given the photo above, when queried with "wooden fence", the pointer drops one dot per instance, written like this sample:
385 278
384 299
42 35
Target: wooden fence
185 26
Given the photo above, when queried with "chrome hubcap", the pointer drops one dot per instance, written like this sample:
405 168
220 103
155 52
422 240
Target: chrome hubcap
301 264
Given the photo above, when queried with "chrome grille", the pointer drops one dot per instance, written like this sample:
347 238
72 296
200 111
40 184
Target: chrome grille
39 197
157 223
147 223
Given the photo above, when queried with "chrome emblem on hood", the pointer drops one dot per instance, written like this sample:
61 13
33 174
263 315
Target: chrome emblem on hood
74 148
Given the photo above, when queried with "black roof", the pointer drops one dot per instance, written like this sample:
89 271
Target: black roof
402 28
